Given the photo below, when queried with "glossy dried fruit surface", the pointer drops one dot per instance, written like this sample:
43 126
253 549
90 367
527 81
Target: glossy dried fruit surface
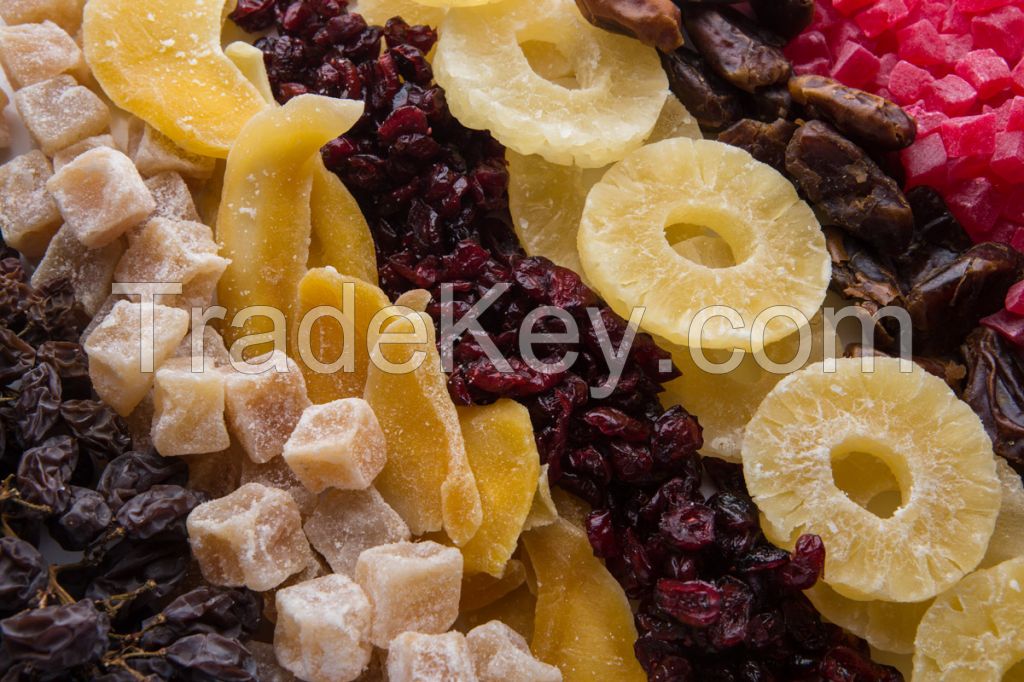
340 238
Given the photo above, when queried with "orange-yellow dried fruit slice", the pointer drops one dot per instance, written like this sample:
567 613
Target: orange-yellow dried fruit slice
480 589
427 478
163 62
503 455
974 632
777 242
377 12
583 624
516 610
249 60
341 236
543 510
263 224
935 446
491 85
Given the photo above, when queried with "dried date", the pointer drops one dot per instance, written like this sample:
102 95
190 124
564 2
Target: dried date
995 391
938 239
785 18
766 142
709 99
653 22
868 119
735 48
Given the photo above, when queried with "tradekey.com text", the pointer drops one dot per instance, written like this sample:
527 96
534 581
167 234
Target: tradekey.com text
561 331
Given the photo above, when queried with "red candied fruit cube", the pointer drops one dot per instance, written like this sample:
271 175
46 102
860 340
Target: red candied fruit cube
979 6
986 71
928 121
977 204
1013 210
921 44
849 32
886 63
907 82
932 12
1015 298
1017 241
855 66
955 21
883 16
1003 232
1018 78
1002 30
925 162
817 67
957 47
951 95
808 47
1015 118
1008 158
849 7
825 15
967 167
969 135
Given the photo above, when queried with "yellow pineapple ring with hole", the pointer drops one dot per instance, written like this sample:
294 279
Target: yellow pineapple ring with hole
606 109
661 193
933 443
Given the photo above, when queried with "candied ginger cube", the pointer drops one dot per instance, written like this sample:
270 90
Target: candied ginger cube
500 654
101 196
412 586
65 13
174 251
28 215
264 408
252 537
121 373
189 410
5 126
986 71
155 153
417 657
173 200
69 154
337 445
347 522
316 568
322 629
90 270
59 112
32 53
209 346
277 474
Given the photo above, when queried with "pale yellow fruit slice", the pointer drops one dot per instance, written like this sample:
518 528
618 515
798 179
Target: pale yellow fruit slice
779 250
378 12
490 84
932 442
1008 537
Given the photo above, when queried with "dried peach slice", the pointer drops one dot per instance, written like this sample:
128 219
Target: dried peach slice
503 455
935 446
491 85
583 623
427 479
163 62
777 242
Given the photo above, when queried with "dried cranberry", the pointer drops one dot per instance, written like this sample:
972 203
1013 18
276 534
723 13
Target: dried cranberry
676 434
694 602
617 424
602 534
254 15
806 564
689 527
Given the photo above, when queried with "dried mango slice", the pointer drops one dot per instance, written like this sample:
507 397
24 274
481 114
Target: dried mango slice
480 589
503 456
163 62
263 224
516 610
583 624
427 478
414 299
249 60
543 511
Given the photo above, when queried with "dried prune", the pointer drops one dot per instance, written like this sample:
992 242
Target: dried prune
654 22
735 48
995 391
56 639
766 142
785 18
22 575
44 473
709 99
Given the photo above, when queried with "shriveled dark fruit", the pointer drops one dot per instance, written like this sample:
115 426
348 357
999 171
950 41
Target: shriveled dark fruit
102 434
212 658
859 274
654 22
52 313
130 565
85 518
938 239
22 575
785 18
160 510
771 103
995 391
44 474
710 100
231 612
68 358
136 472
56 639
766 142
735 48
848 188
38 404
868 119
16 356
692 602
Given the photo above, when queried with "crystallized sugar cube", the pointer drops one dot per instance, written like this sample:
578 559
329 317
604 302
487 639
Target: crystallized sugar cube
1001 30
65 13
28 215
101 196
32 53
277 474
925 161
1008 159
209 345
951 95
117 364
263 409
189 410
337 445
907 82
155 153
252 537
347 522
855 65
921 44
881 17
417 657
174 251
315 568
986 71
412 586
173 200
323 628
500 654
267 667
59 112
90 270
66 156
969 135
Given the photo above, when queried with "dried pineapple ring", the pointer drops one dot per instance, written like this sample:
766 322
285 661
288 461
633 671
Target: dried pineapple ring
778 245
490 84
377 12
974 632
935 446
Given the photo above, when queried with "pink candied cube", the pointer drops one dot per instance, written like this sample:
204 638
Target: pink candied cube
1017 241
883 16
1018 78
1015 116
957 47
1007 324
979 6
967 167
925 161
1008 158
887 62
985 70
977 204
969 135
921 44
849 32
907 82
808 47
855 66
1001 30
1013 210
951 95
1003 232
825 16
849 7
955 21
928 121
932 12
1015 298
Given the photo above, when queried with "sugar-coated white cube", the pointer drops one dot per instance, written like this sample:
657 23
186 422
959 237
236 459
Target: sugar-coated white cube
337 445
69 154
264 408
322 630
173 199
32 53
117 359
91 271
418 657
28 215
277 474
252 537
155 153
500 654
65 13
208 345
59 112
189 410
412 586
345 523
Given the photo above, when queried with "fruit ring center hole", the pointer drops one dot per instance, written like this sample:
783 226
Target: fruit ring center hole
550 63
865 472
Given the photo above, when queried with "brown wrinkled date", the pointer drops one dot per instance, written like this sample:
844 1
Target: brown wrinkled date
766 142
995 391
653 22
709 99
735 48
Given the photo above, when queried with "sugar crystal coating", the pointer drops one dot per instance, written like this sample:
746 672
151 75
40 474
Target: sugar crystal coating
315 568
412 586
344 523
90 270
277 474
32 53
173 200
154 153
189 410
69 154
208 345
322 629
59 112
5 126
28 215
500 654
65 13
417 657
252 537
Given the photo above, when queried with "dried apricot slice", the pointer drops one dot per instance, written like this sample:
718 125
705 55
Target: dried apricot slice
163 62
935 446
777 242
490 84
